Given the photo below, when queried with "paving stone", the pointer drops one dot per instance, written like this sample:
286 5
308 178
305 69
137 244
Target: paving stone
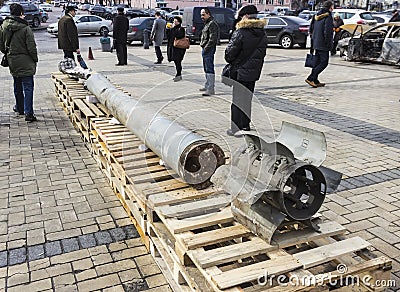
385 235
18 279
103 237
115 267
53 248
156 280
35 252
99 283
87 240
136 286
17 256
63 280
82 275
33 287
131 232
117 234
70 244
82 264
3 258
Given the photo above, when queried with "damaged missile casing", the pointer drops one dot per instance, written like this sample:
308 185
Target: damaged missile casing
277 180
192 157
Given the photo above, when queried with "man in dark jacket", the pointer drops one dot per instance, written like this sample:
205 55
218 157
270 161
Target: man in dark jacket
395 16
120 34
322 42
68 33
18 42
245 52
208 42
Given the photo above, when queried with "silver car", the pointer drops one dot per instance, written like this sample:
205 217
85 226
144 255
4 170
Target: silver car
86 24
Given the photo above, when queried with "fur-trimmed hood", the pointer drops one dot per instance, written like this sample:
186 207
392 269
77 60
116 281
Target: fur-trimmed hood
322 15
251 23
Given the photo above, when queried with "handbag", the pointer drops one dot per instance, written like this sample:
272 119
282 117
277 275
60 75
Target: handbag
310 60
4 60
182 43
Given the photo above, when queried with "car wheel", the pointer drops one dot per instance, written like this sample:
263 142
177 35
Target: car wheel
36 22
104 30
44 19
286 41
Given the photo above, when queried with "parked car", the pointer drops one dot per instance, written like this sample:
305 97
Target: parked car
31 12
137 26
85 6
101 11
170 16
44 15
194 25
381 18
46 7
355 16
1 20
263 14
279 10
86 24
287 31
377 44
136 12
307 14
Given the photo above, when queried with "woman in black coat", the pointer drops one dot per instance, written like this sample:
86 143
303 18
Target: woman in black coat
176 54
245 53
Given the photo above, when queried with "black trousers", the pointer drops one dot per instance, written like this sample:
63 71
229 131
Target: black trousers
122 53
69 54
158 53
242 95
178 66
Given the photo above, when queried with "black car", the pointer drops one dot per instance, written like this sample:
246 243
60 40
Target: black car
101 11
137 27
287 31
194 25
136 12
31 12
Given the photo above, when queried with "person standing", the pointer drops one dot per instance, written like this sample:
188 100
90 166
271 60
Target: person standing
337 23
395 16
173 53
322 42
208 43
120 35
16 37
245 53
157 35
68 33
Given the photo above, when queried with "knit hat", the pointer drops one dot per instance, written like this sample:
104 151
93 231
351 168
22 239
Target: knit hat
248 9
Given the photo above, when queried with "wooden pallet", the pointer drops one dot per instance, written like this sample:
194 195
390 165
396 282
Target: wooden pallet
193 235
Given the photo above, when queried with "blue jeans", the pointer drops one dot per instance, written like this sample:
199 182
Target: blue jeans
23 92
320 65
208 66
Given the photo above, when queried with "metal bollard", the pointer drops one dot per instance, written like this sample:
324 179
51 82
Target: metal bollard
146 39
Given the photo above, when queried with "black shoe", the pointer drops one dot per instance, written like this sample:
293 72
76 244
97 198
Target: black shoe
16 110
119 64
30 118
246 129
158 62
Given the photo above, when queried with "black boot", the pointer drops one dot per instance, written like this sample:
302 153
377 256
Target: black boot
30 118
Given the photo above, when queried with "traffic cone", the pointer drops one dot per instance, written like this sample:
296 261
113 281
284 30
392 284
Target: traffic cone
90 56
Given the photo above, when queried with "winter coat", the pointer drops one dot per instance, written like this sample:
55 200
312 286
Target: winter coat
336 25
22 55
120 29
175 54
322 30
67 34
248 38
209 34
158 31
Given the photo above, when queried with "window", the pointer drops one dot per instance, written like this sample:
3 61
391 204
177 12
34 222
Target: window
84 19
276 21
94 19
271 2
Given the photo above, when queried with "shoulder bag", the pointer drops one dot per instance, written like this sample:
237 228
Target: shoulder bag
4 60
183 43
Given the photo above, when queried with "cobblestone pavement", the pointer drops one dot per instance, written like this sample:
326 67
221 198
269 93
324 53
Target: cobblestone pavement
60 223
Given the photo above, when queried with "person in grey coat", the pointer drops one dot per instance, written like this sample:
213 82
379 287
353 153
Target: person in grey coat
157 35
